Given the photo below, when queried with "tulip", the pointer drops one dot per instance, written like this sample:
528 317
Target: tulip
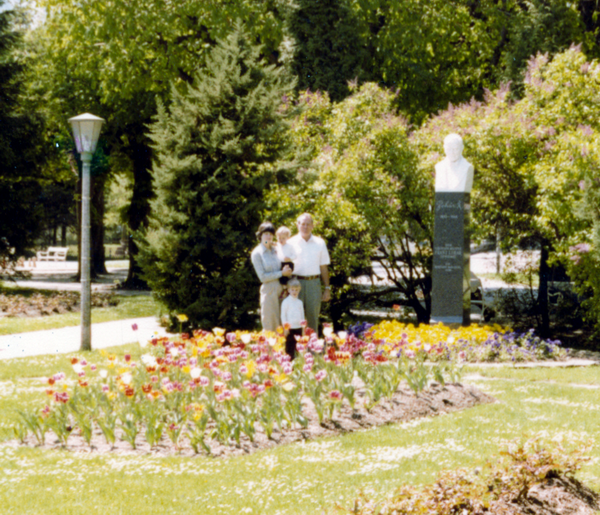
335 395
320 375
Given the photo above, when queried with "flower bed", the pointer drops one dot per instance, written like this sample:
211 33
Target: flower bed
39 304
471 344
223 387
211 387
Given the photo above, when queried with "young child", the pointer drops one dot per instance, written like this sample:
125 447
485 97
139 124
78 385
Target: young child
292 316
286 254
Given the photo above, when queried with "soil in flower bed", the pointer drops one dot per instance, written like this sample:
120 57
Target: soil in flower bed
404 406
39 304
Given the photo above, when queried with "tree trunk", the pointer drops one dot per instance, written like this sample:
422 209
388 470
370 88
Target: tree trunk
543 290
63 235
97 229
589 10
336 312
423 314
139 209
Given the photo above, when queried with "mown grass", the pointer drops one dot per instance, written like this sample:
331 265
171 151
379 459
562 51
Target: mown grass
295 479
521 279
563 375
117 263
135 306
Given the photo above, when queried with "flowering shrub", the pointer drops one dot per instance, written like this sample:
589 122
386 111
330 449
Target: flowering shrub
472 344
213 385
498 488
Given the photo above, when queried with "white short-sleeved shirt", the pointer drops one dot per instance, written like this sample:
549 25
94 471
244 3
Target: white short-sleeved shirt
310 255
292 312
285 251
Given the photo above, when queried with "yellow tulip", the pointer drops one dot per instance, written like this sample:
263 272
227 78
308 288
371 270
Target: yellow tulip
251 367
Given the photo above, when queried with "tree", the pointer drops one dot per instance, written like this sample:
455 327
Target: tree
58 204
538 26
20 155
219 146
563 94
328 52
116 59
589 11
442 51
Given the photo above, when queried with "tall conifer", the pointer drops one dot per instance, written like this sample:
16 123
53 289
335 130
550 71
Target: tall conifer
218 147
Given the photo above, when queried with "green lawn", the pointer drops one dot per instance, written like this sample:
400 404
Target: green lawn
295 479
563 375
135 306
117 263
512 278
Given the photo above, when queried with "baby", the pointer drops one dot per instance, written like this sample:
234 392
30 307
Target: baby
286 254
292 316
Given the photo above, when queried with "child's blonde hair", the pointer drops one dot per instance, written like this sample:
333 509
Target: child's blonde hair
294 282
283 231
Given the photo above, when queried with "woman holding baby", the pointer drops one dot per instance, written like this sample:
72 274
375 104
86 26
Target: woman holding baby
271 265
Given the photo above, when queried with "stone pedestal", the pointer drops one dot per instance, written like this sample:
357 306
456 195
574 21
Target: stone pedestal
451 293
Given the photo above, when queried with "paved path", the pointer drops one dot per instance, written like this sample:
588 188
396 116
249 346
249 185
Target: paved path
67 339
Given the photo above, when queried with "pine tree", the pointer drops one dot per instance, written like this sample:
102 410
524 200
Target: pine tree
328 46
218 148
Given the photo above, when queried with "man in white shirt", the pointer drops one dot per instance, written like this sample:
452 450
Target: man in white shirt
310 267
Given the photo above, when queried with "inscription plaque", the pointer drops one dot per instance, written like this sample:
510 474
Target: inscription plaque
451 295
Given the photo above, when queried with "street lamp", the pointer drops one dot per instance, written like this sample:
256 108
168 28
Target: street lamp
86 129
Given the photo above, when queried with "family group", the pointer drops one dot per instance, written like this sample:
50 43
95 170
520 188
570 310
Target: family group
292 271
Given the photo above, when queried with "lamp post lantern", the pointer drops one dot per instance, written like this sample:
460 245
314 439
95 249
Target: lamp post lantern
86 130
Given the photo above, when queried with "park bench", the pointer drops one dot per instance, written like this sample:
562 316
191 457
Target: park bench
53 254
